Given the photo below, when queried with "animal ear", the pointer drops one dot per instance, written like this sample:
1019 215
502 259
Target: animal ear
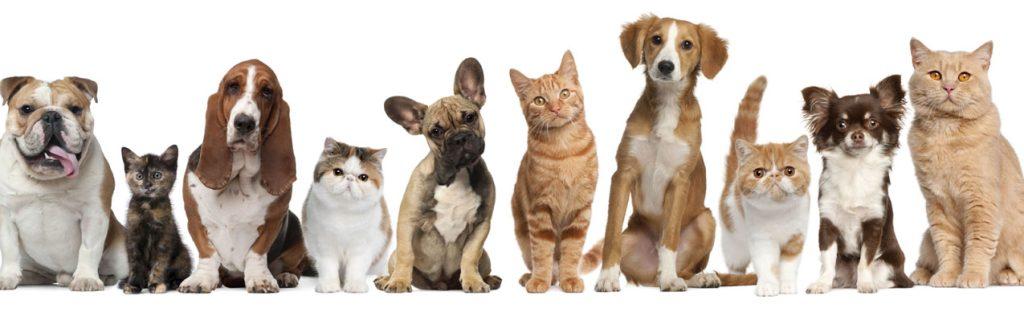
469 81
816 105
799 147
633 37
519 82
277 158
214 167
10 85
918 51
378 155
890 94
87 86
406 113
128 157
713 51
331 147
743 149
983 54
170 156
567 69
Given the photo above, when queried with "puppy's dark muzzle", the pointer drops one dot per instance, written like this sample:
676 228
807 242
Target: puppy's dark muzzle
460 150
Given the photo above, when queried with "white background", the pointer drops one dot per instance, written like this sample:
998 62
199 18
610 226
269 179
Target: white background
156 63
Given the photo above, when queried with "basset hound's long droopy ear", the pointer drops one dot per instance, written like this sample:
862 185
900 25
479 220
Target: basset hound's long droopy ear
277 159
214 168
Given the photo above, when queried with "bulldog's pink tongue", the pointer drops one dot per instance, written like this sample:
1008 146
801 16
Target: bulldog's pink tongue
67 160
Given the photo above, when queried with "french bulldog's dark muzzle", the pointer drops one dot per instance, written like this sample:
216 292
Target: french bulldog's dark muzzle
460 150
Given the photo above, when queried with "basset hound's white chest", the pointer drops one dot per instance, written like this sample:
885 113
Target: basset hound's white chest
456 207
232 216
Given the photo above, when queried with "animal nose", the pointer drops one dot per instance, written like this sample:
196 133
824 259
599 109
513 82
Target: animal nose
554 108
244 124
666 67
949 88
51 117
460 138
858 137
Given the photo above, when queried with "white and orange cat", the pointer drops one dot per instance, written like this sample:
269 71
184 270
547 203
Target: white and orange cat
764 203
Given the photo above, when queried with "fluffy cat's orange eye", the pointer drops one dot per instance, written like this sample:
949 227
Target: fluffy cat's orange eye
338 171
565 94
935 75
759 172
539 101
363 177
790 171
872 123
964 76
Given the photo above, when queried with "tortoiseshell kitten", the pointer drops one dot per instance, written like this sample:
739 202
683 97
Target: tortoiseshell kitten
157 258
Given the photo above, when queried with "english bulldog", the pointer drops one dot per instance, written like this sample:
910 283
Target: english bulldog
56 225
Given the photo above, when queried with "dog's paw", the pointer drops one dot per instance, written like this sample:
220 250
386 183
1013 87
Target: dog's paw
867 286
393 284
475 284
199 283
943 279
819 288
671 282
921 276
767 290
83 283
9 281
261 284
607 284
571 285
787 288
1008 277
973 280
64 279
157 288
536 286
705 280
356 287
287 280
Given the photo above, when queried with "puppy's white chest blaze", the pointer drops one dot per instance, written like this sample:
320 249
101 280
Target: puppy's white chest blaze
660 155
456 207
852 191
231 216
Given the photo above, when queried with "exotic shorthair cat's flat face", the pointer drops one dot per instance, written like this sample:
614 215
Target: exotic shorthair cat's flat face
150 175
776 171
352 173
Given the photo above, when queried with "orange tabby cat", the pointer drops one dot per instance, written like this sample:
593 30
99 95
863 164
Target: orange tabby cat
557 177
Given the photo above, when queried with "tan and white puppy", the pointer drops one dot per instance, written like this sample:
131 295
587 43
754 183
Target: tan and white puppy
55 189
237 188
671 232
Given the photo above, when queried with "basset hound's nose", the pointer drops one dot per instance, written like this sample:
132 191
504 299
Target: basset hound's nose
244 124
666 67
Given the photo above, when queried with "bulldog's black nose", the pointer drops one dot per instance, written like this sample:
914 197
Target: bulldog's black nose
666 67
460 138
51 117
244 124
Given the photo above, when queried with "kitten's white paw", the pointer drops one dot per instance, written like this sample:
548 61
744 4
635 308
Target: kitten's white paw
356 287
819 288
86 283
327 288
767 290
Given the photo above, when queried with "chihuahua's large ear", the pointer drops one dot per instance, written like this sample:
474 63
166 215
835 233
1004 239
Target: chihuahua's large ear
918 51
469 81
633 38
890 94
10 85
87 86
277 158
568 68
406 113
170 156
713 51
983 54
816 105
129 158
214 167
519 82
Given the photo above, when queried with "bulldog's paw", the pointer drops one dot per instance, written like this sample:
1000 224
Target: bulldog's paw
705 280
571 284
328 287
83 283
261 283
9 281
356 287
973 280
671 282
287 280
921 276
866 286
393 284
767 290
64 279
474 284
199 283
536 285
943 279
819 288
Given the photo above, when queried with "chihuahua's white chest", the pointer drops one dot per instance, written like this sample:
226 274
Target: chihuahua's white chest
456 207
853 190
659 153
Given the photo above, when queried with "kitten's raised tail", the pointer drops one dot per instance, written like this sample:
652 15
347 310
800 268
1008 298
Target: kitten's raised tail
745 127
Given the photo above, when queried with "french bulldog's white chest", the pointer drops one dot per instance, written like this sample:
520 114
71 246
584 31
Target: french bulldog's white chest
659 153
456 207
232 216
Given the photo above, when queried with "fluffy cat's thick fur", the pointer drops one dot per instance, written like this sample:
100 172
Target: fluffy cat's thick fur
345 221
157 258
557 177
764 202
969 174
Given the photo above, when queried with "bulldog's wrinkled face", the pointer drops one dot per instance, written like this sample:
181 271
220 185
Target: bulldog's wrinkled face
50 122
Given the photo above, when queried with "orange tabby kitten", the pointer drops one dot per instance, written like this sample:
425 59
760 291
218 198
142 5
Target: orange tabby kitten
557 177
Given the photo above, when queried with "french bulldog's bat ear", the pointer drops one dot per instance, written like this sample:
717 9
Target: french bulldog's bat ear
170 156
406 113
10 85
128 157
469 81
87 86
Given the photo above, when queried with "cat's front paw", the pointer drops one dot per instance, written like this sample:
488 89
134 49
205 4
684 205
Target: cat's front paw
767 290
819 288
787 288
328 287
943 279
973 280
571 285
356 287
921 276
536 285
157 288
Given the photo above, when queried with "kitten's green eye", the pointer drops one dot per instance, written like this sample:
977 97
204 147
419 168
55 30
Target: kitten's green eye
759 172
565 94
539 101
841 124
789 170
157 175
338 171
935 75
964 76
363 177
139 176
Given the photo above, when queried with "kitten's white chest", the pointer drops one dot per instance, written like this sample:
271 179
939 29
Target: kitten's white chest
456 207
660 153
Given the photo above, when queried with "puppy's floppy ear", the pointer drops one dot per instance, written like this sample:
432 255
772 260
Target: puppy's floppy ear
87 86
469 81
633 37
799 147
890 94
214 168
713 51
983 54
128 157
170 156
918 51
406 113
568 68
519 82
816 105
277 159
10 85
743 150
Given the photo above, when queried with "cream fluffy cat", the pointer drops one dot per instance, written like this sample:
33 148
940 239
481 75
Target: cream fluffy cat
764 206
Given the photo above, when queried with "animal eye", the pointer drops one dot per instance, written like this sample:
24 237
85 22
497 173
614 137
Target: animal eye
790 171
964 76
77 110
267 92
872 123
363 177
469 118
687 44
233 88
565 94
139 176
935 75
338 171
26 109
656 40
157 175
436 132
841 124
759 172
539 101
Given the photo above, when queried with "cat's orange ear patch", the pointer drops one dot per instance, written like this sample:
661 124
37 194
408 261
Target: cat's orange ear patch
567 70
